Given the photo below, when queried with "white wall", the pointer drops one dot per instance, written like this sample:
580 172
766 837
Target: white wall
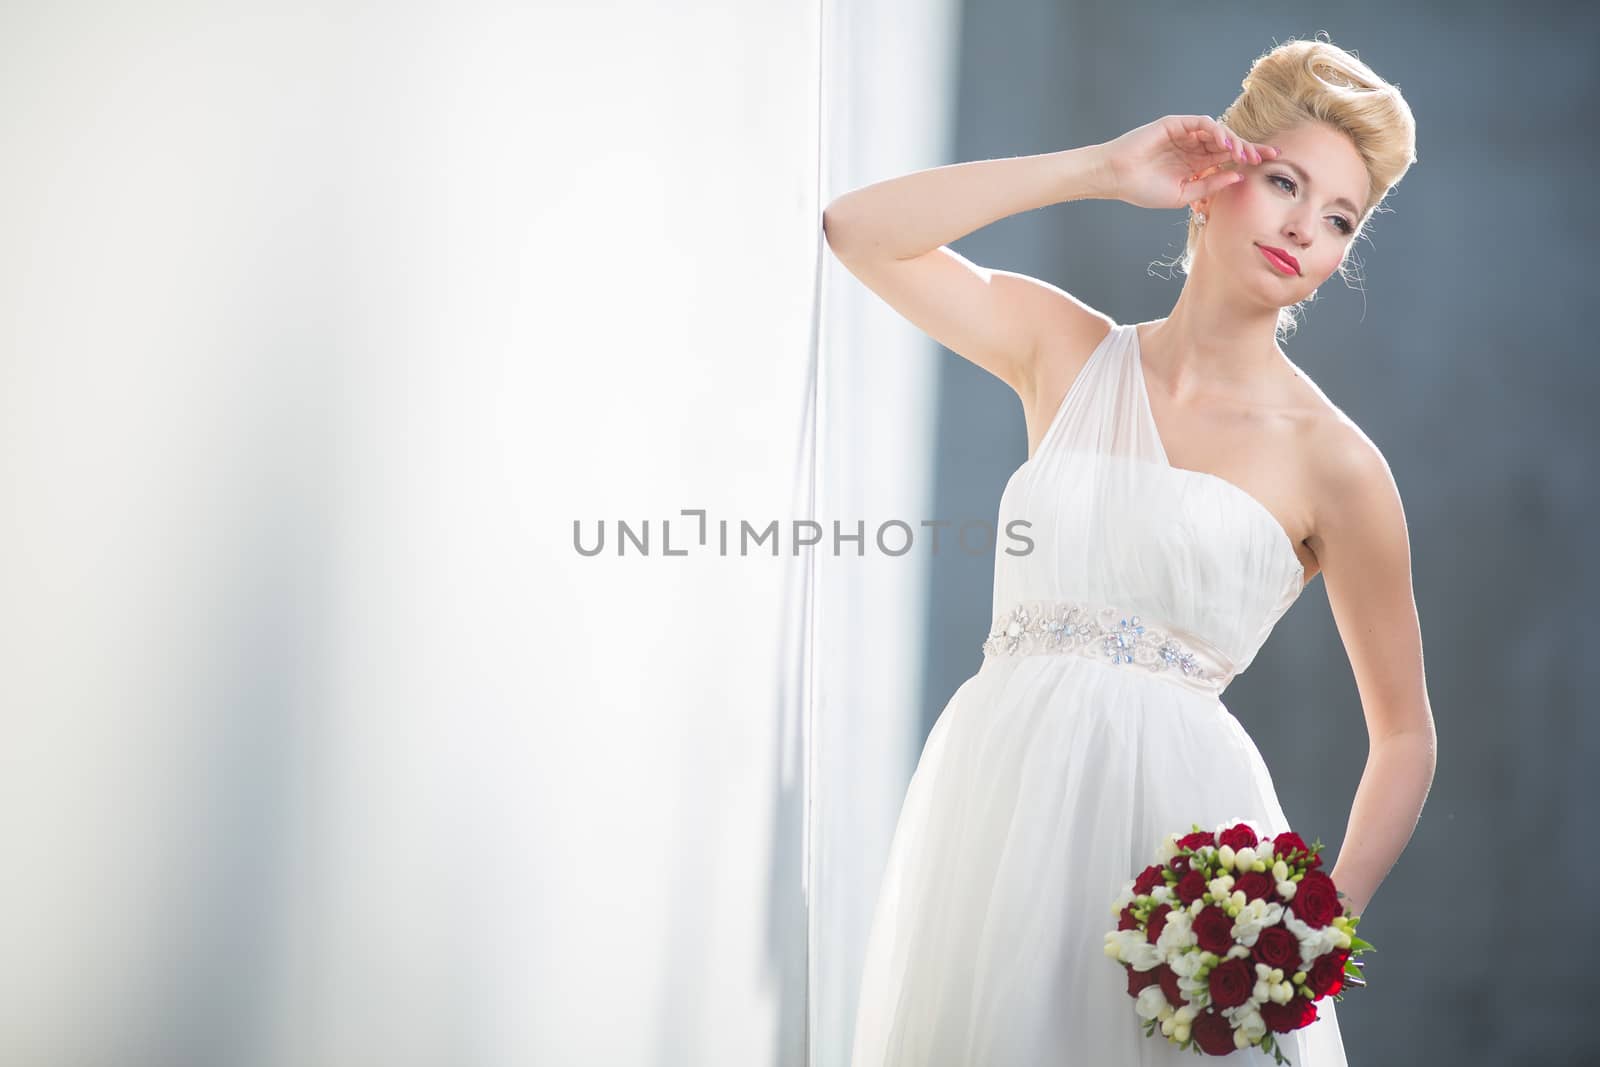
320 743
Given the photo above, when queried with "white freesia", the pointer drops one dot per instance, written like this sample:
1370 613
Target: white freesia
1286 887
1245 858
1126 943
1280 871
1168 849
1313 942
1254 917
1177 934
1161 893
1187 965
1150 1002
1220 886
1140 954
1226 856
1251 1025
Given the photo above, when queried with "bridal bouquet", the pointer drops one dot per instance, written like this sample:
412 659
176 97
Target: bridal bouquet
1230 939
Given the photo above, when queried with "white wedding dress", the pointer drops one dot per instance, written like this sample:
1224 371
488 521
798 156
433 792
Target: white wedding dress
1052 775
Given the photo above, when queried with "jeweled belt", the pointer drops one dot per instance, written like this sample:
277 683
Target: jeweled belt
1113 636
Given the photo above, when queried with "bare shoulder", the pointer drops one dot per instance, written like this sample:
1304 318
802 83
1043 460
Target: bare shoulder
1353 492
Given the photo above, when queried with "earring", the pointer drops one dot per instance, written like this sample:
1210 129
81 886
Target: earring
1199 218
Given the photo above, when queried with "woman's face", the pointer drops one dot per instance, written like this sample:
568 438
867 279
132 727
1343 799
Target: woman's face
1306 202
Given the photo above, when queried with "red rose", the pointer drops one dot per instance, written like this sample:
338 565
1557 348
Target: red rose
1157 920
1138 980
1148 879
1326 976
1213 930
1316 902
1128 921
1255 885
1237 837
1232 981
1282 1018
1191 887
1169 986
1197 839
1277 947
1213 1033
1288 843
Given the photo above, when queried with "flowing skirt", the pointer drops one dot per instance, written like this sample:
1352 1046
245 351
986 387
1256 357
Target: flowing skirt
1046 784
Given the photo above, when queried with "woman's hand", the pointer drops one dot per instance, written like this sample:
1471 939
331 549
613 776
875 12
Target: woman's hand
1176 160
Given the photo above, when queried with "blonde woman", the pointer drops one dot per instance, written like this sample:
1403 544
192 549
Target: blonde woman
1184 481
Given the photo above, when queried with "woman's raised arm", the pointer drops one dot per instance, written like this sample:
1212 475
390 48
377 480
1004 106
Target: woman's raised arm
892 236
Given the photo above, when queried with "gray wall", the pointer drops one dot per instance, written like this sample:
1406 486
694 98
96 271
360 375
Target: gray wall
1466 361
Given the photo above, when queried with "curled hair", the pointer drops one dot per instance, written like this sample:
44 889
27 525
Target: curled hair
1316 80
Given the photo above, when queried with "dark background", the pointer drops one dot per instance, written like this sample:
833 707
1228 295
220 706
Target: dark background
1466 355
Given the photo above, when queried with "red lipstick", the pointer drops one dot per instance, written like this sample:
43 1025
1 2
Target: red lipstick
1280 259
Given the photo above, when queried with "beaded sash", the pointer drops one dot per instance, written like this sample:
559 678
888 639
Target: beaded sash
1110 635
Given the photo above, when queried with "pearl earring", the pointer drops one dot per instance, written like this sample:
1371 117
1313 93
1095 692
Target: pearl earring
1199 218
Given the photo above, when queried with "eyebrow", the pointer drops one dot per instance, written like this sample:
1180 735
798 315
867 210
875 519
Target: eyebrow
1306 180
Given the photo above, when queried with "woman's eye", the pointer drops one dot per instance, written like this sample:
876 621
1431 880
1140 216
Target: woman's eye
1289 187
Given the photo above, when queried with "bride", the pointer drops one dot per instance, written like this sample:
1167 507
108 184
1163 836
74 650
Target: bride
1183 474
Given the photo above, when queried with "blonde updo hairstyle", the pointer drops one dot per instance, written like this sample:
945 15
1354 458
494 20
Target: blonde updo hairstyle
1316 80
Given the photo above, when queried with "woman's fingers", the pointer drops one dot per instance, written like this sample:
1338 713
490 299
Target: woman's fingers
1226 141
1211 185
